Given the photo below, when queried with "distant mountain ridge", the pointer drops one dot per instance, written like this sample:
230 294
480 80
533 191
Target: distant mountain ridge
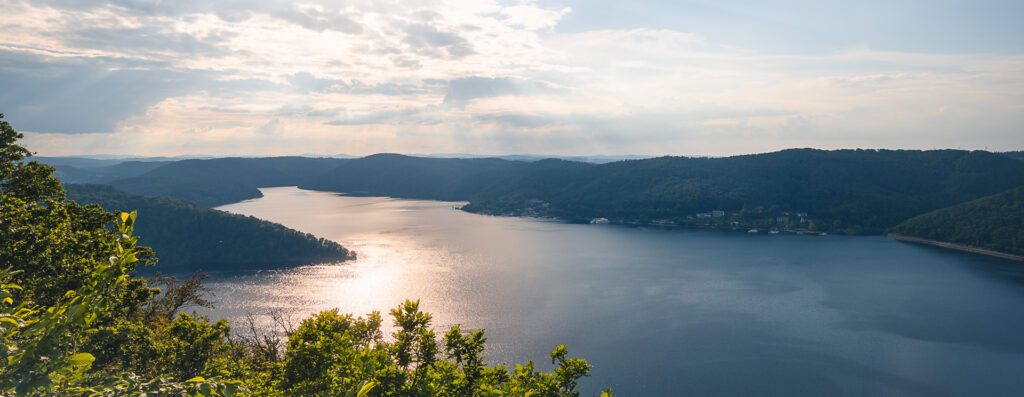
839 191
845 191
213 182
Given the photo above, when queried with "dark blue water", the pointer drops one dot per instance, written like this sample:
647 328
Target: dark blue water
665 312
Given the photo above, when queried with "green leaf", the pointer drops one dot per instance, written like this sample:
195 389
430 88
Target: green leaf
366 389
81 359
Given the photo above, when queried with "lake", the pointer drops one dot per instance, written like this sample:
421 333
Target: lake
662 312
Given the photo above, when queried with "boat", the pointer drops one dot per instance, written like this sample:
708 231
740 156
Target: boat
773 231
600 221
752 231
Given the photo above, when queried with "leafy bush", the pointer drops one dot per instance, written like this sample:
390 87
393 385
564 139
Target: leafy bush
75 320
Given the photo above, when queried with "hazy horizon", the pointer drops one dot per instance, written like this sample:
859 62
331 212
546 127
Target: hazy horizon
186 156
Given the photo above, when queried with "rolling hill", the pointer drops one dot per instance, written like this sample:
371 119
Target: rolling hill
995 223
839 191
188 237
221 181
845 191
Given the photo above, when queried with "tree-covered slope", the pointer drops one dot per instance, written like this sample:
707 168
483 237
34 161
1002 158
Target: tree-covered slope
995 222
221 181
843 191
189 237
847 191
417 177
852 191
100 171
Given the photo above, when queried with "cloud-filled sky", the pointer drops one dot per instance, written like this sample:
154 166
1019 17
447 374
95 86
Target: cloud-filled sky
274 77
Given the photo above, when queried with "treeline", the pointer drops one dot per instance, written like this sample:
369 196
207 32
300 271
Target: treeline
77 320
189 237
995 222
221 181
844 191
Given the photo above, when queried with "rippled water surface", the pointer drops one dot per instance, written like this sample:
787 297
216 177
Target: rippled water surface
663 312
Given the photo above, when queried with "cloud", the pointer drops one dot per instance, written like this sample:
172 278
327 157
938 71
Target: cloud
398 116
306 82
361 76
315 18
519 119
271 127
465 89
428 40
532 17
45 94
144 40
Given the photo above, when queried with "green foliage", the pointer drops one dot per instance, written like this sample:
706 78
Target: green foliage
995 222
41 354
227 242
75 320
330 352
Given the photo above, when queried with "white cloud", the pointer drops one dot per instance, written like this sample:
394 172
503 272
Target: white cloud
273 77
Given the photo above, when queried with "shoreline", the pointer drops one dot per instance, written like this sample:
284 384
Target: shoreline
955 246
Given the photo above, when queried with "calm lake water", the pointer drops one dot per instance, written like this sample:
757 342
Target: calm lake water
663 312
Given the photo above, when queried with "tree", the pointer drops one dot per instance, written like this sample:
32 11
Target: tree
75 319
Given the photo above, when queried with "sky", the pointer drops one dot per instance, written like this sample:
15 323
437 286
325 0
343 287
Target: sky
558 77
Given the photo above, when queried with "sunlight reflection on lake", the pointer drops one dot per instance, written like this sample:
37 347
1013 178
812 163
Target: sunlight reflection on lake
659 311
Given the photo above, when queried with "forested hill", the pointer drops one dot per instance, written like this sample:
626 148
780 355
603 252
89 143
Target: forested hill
418 177
994 222
225 180
80 170
847 191
841 191
188 237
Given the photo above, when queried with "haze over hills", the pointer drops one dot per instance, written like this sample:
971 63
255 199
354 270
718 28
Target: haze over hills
106 173
215 182
218 181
